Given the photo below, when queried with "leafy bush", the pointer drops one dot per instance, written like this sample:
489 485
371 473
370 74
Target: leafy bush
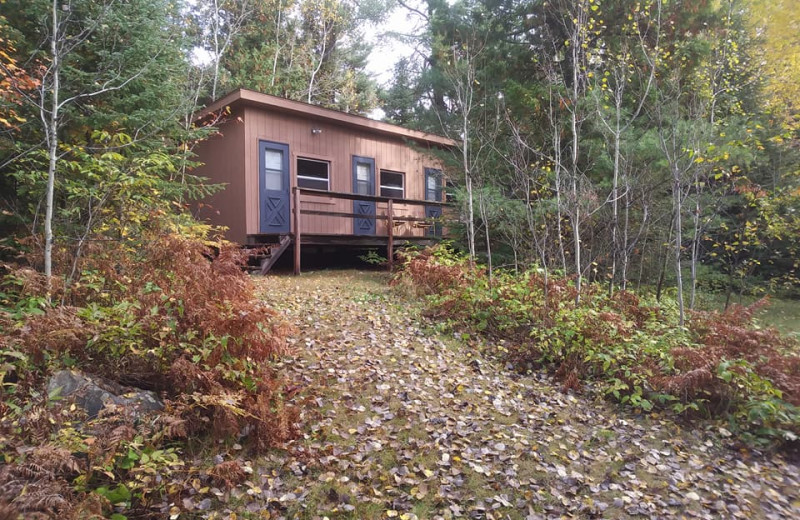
433 271
625 345
161 311
372 257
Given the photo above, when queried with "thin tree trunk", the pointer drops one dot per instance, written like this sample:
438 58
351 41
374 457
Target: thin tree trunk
625 237
615 204
729 292
641 263
277 44
676 199
576 46
468 184
557 167
470 217
663 273
516 260
217 57
484 217
695 240
51 131
576 237
319 65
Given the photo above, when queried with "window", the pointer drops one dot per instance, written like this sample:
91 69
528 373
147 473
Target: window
392 184
433 184
450 190
273 169
313 174
363 171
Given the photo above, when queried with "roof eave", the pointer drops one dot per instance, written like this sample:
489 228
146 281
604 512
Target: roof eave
257 99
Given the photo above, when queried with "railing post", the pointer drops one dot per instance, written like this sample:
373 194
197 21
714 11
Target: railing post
390 227
296 231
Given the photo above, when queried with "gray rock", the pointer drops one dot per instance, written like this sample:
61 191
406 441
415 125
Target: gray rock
93 393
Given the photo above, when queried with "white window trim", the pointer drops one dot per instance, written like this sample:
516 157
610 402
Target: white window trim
402 187
316 179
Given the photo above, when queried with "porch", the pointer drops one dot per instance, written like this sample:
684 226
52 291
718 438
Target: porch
376 222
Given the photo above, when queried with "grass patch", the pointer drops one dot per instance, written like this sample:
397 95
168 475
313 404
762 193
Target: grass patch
781 313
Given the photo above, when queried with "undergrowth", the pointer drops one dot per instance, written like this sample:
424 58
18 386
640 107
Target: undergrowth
629 347
165 312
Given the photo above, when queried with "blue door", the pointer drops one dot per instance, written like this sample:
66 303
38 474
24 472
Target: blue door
433 192
364 184
273 174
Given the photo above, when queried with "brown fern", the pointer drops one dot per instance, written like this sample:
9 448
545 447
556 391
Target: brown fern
228 474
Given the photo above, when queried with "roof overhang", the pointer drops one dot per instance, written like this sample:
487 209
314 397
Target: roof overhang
244 97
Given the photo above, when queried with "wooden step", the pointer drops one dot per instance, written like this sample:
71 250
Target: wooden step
261 259
275 253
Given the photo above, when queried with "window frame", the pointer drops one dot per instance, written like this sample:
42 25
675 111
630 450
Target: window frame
271 175
438 191
402 187
316 179
364 164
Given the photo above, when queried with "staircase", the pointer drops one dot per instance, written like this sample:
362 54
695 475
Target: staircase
262 258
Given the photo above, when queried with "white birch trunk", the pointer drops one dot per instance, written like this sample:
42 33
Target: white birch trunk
51 131
677 203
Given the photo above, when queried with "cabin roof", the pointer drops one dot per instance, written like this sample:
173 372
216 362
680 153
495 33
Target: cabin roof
257 99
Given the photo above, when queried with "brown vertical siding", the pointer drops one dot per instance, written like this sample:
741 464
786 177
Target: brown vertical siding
336 144
223 158
232 158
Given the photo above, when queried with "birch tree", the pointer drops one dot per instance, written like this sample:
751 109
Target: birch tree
578 23
74 36
461 76
218 22
613 87
681 133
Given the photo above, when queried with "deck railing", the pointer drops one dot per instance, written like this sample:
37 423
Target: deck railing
391 219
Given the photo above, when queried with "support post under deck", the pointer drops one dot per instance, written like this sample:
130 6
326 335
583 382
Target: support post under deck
390 227
296 231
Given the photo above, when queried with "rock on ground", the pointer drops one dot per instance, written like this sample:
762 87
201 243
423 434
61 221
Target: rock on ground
93 393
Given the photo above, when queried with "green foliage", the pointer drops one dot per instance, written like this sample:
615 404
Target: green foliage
738 161
158 310
107 189
138 43
372 258
16 300
312 51
626 346
123 94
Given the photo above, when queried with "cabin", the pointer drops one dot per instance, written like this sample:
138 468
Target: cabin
300 176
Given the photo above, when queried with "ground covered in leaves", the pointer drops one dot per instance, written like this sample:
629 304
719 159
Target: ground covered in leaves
406 423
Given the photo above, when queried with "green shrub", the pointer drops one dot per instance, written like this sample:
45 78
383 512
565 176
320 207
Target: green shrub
630 347
161 311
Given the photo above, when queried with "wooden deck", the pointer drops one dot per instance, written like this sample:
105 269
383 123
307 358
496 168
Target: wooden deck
347 240
391 240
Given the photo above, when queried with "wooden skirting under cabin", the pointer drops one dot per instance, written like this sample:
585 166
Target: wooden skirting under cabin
267 249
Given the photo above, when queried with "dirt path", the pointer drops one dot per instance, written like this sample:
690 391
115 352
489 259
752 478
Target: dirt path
410 424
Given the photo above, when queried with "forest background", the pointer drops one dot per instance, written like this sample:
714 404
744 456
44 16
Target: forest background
604 146
611 141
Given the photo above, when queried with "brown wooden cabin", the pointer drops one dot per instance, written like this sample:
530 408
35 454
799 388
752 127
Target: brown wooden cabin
359 182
